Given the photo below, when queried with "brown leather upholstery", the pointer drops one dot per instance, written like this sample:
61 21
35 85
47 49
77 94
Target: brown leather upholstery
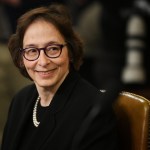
133 112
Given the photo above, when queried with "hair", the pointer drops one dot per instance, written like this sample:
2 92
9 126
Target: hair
59 16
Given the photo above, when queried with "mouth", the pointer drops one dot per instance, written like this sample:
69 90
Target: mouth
46 73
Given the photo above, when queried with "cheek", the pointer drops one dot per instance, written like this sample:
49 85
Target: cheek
62 63
65 61
66 57
28 64
25 63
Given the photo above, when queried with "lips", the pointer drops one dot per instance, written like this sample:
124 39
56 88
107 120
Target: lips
44 72
47 73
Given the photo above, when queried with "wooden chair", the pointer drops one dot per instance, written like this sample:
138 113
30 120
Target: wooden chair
133 114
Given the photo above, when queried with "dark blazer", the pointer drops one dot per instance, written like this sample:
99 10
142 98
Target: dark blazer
63 120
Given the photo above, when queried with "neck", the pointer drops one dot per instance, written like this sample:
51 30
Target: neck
46 99
46 95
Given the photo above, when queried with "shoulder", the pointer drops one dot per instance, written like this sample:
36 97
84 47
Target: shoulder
23 96
85 94
86 88
88 94
79 85
27 90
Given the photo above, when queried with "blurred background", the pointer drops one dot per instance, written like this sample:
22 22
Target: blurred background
116 40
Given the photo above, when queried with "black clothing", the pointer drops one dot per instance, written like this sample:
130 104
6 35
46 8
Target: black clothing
61 122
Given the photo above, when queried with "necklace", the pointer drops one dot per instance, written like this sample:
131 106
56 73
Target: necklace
35 122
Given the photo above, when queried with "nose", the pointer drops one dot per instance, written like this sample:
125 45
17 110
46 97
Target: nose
43 60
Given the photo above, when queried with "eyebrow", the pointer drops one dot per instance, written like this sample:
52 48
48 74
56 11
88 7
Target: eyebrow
48 43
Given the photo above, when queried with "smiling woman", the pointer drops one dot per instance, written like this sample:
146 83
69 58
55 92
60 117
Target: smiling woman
47 51
47 71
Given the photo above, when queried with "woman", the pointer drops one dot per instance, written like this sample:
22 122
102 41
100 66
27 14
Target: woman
49 113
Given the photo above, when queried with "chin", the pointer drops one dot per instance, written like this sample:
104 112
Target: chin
46 84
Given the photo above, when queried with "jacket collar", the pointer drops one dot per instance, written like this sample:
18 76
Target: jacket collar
62 95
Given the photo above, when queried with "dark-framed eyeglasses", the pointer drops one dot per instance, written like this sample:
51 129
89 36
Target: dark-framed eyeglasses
51 51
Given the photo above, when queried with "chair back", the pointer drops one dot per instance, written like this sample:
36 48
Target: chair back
133 115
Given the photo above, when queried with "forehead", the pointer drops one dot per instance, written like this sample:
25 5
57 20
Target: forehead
42 31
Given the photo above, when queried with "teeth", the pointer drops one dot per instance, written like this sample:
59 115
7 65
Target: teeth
47 72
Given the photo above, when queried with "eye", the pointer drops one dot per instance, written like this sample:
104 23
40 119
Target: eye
53 48
31 51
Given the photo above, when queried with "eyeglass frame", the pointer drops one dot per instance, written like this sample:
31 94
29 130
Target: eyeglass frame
44 49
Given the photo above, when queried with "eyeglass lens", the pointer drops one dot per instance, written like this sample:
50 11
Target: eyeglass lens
51 51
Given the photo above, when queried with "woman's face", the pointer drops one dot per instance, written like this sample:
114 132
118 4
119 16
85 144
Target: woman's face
46 72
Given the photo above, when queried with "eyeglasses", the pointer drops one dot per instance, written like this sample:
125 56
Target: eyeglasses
51 51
